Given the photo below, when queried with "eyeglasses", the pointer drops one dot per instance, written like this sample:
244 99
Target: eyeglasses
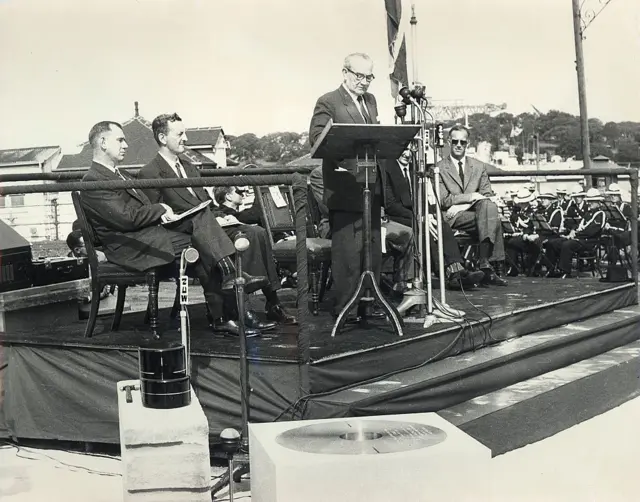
459 142
361 76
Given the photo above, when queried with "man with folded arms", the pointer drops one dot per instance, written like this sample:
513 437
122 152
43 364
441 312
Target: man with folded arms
465 192
132 229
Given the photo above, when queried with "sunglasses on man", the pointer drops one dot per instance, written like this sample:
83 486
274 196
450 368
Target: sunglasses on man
458 142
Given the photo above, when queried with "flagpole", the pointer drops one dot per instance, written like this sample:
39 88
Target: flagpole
414 43
582 94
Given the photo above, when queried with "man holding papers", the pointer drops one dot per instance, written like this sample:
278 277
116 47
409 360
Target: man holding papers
138 234
465 192
169 133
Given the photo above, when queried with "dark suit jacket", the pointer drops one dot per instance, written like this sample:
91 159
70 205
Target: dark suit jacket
398 203
126 223
452 191
180 199
342 184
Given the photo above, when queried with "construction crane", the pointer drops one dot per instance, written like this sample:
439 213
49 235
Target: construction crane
447 110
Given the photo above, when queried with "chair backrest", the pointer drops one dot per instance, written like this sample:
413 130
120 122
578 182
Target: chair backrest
314 214
88 233
276 219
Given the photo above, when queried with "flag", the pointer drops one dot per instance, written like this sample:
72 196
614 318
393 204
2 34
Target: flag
397 40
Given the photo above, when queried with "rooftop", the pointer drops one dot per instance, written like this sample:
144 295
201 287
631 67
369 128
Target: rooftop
142 149
34 155
197 136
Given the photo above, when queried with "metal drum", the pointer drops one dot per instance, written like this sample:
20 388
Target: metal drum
162 361
164 383
166 394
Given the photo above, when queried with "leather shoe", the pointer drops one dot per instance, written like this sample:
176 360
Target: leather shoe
252 321
278 314
251 284
492 279
471 279
222 327
455 283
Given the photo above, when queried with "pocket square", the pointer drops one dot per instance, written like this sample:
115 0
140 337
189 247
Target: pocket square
341 169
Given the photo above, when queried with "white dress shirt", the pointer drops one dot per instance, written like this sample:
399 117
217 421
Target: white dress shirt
178 169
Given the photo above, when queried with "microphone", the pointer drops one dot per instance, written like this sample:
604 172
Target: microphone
240 242
189 255
413 94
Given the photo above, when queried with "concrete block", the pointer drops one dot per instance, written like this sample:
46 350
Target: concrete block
443 471
172 466
163 451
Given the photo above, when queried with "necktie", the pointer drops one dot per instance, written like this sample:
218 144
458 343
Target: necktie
120 175
363 110
180 175
461 171
405 171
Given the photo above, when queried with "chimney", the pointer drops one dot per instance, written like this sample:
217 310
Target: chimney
136 111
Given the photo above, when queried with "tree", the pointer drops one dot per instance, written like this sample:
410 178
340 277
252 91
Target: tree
611 133
245 147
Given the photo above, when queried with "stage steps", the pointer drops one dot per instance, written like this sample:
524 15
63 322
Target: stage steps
542 406
518 391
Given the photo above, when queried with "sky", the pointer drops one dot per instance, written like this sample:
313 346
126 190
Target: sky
259 65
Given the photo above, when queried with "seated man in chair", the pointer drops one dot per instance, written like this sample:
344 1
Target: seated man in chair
259 257
399 209
133 233
169 133
560 251
465 192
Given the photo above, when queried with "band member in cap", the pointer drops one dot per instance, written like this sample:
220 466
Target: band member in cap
554 215
615 195
465 192
562 199
524 239
560 251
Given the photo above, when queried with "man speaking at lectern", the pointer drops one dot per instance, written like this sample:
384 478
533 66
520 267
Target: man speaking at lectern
343 185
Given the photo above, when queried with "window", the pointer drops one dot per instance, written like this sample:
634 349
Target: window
17 200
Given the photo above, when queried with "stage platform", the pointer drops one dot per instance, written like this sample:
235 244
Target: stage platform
59 385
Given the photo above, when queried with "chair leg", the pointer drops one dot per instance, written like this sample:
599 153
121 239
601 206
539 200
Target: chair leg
93 313
153 283
324 279
117 317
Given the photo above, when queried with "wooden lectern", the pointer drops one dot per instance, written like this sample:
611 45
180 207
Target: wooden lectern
366 143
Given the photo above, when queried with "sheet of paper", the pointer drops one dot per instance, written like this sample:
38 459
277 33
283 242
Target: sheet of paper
228 221
191 211
277 197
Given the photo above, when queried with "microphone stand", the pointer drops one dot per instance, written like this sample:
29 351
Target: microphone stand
188 256
417 296
241 454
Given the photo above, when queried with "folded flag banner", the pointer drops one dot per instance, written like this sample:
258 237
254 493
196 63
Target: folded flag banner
397 24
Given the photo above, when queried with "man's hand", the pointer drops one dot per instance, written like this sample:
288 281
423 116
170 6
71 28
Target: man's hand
477 196
169 215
